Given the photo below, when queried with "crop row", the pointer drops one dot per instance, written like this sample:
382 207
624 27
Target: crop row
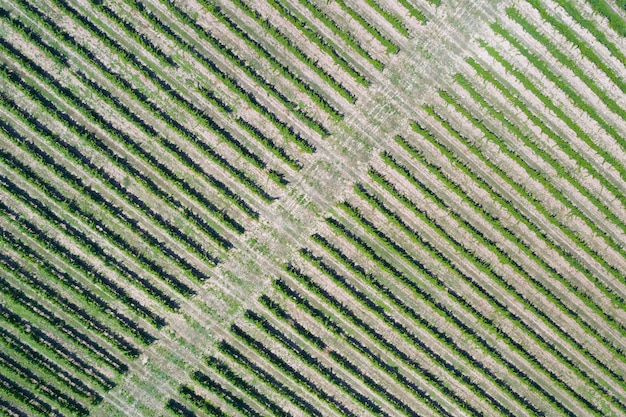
452 131
478 263
51 273
346 36
80 235
231 82
489 243
119 292
197 400
49 390
421 319
47 188
488 324
204 34
576 343
123 138
513 96
96 141
284 70
542 66
590 26
32 401
505 202
536 173
537 204
582 46
119 81
317 38
52 346
342 361
566 61
370 28
393 323
202 117
285 368
284 40
96 350
379 338
62 303
340 356
541 177
22 351
394 20
91 247
286 391
232 57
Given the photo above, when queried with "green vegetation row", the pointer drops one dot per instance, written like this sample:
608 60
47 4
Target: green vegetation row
20 372
340 358
284 70
119 81
502 307
26 354
505 202
181 155
422 320
285 368
553 325
287 392
406 333
197 400
230 82
392 48
181 183
70 151
542 178
576 98
419 393
487 242
50 273
332 325
513 96
204 119
94 249
537 204
53 347
122 162
589 25
242 64
22 276
26 307
462 139
317 38
109 235
615 20
496 303
346 36
574 39
328 373
481 265
86 191
394 20
227 53
437 282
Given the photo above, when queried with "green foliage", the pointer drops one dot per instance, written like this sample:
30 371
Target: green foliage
343 34
373 30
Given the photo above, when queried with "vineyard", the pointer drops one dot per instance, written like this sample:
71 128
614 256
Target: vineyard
312 208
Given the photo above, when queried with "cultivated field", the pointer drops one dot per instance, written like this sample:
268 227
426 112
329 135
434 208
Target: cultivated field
311 207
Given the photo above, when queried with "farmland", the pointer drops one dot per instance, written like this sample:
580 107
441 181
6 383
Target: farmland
310 207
